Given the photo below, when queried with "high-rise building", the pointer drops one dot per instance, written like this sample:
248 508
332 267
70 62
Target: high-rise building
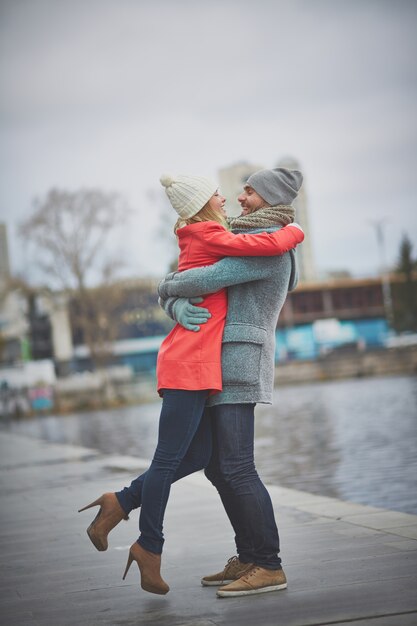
233 178
306 267
4 254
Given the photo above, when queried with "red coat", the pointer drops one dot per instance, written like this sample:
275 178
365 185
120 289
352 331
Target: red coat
192 360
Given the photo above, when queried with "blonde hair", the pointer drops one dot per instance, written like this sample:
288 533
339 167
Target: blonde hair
206 214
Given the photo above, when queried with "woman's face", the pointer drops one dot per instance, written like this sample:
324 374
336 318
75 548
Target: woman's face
217 203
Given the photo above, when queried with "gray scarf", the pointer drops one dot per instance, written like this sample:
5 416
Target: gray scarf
268 216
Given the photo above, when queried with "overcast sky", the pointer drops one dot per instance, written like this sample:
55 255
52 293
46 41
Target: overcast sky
111 93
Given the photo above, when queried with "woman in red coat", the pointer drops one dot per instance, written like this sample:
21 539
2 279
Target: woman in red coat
188 370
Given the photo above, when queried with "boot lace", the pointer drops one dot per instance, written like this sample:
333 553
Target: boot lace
251 571
232 565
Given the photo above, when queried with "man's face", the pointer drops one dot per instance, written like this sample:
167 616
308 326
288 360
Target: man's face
250 201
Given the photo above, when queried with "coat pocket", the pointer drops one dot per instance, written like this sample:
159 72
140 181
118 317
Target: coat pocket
242 349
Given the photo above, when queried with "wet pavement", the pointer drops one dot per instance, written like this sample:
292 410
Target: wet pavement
346 563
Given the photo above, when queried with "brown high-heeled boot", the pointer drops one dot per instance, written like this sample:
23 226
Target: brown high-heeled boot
150 569
109 515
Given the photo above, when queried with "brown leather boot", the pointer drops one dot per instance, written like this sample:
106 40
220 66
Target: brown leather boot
150 569
109 515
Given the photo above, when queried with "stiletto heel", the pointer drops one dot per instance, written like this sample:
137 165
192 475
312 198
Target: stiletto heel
129 563
109 515
149 565
89 506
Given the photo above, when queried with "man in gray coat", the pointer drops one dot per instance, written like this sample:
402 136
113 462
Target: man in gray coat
257 288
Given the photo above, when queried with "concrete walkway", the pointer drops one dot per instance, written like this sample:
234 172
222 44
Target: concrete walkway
345 563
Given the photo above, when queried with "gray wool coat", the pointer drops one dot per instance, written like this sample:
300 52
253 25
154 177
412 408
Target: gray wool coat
257 288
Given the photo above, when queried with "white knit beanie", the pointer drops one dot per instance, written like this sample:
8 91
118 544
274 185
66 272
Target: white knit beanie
188 194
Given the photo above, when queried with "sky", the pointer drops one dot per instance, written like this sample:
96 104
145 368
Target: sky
112 93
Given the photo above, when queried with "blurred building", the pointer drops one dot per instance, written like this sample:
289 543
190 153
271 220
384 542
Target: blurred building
14 323
332 315
343 299
232 180
4 254
40 328
55 306
141 327
306 265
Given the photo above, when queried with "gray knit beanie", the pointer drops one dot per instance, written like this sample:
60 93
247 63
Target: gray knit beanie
188 194
277 186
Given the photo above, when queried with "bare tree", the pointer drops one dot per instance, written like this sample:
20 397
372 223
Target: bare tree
70 232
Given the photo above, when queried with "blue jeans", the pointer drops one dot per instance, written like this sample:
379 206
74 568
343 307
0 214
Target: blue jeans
246 500
184 446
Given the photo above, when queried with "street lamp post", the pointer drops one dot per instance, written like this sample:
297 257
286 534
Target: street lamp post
386 287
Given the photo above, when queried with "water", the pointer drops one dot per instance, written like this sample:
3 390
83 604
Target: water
351 439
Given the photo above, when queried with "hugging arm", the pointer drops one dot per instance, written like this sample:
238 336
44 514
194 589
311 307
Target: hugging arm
225 273
224 243
203 280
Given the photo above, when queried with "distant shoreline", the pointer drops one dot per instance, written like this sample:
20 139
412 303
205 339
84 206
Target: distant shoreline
340 365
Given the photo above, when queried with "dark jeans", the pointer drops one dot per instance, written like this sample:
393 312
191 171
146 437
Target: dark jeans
231 469
246 500
184 446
